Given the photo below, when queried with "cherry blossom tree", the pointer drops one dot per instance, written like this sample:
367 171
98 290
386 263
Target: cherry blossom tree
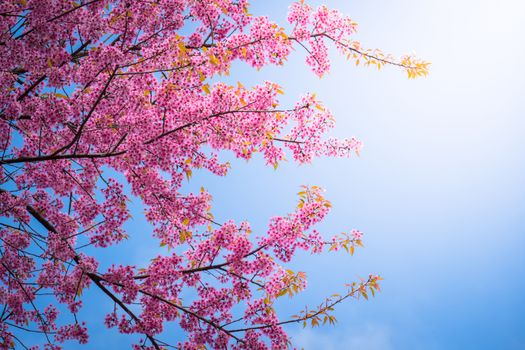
105 99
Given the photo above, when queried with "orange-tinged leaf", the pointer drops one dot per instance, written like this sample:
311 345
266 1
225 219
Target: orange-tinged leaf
282 292
214 60
182 47
185 235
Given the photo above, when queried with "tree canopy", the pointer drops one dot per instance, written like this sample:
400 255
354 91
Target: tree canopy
94 89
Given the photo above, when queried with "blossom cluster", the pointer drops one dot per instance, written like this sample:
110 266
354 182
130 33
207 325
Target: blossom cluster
103 100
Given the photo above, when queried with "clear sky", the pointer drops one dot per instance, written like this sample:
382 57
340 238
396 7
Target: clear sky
438 189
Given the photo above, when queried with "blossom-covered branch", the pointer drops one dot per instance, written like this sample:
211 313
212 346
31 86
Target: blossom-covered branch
102 101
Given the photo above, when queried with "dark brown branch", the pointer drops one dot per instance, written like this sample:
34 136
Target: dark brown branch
307 317
60 156
55 156
210 267
189 312
361 53
29 299
31 87
57 17
88 116
74 56
96 279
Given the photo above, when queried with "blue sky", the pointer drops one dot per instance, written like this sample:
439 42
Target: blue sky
438 189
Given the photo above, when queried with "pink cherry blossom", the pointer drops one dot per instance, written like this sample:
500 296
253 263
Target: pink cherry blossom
101 100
